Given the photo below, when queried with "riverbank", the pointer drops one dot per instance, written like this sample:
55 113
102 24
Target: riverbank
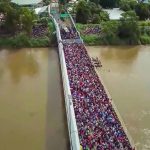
92 35
42 36
21 41
106 34
25 29
24 41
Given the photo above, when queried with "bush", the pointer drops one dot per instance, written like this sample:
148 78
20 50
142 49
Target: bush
143 11
108 3
128 28
144 23
104 16
22 40
43 21
110 28
145 39
96 19
88 12
46 2
128 5
91 39
108 35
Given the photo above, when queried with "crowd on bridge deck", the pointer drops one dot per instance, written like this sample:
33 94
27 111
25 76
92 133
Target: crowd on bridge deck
92 30
96 62
98 125
68 33
39 30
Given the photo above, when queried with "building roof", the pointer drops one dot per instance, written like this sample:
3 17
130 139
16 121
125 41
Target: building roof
114 14
144 1
40 9
26 2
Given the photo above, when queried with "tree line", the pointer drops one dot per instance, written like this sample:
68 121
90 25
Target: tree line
16 18
141 9
126 28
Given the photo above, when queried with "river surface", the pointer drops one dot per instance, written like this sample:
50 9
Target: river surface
126 74
32 110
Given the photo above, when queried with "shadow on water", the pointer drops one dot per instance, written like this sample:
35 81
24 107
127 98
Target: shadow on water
22 64
111 53
129 85
56 125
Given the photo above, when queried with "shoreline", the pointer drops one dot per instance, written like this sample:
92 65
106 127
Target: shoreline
53 46
46 43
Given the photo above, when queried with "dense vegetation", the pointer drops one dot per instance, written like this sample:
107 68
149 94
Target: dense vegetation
108 3
21 27
89 12
109 34
16 18
127 5
130 29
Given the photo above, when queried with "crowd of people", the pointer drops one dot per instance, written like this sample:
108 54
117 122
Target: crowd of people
68 33
96 62
92 30
39 31
98 125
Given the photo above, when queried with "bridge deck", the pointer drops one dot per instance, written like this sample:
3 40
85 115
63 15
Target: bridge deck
97 133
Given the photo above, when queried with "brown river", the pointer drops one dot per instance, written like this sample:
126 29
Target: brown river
32 109
126 74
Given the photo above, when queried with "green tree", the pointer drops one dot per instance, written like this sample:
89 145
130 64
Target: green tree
127 5
104 16
27 19
109 31
128 28
94 9
143 11
96 19
11 12
88 12
46 2
82 12
97 2
4 6
12 20
108 3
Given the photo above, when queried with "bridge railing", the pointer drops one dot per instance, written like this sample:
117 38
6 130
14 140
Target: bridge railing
72 127
75 26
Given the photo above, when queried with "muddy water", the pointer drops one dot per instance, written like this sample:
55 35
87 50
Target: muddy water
32 115
126 73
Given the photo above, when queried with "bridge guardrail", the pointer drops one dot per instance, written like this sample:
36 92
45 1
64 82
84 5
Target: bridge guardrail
75 26
72 127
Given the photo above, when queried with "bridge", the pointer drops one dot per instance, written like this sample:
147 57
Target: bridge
93 120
